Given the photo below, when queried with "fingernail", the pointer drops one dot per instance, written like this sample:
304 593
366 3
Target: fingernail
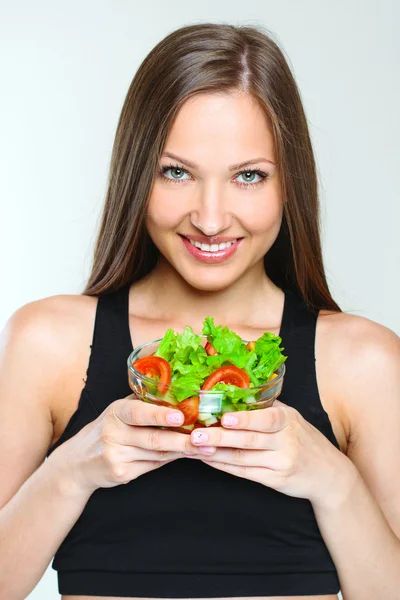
199 437
175 418
206 449
229 420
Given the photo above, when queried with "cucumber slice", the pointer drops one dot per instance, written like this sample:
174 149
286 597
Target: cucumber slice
168 397
188 427
211 421
250 400
203 416
210 403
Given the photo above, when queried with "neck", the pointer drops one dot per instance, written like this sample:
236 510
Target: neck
250 300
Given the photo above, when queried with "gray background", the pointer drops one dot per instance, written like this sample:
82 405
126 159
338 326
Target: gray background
66 67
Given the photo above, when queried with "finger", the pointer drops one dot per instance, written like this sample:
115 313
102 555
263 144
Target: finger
221 437
277 402
139 467
157 439
128 454
260 475
268 420
268 459
138 412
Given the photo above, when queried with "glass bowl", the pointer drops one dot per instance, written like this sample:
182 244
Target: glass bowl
212 403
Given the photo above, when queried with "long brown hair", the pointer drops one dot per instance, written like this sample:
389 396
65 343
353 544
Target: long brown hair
207 58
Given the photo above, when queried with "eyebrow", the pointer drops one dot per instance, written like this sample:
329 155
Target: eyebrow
231 167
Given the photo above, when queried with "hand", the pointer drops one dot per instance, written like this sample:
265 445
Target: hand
120 445
276 447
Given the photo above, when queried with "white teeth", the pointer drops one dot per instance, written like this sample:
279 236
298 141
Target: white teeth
212 247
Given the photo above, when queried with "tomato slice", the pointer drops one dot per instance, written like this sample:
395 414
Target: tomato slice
230 375
155 367
209 348
190 409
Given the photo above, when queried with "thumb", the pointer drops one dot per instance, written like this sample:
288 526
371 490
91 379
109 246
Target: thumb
132 396
278 403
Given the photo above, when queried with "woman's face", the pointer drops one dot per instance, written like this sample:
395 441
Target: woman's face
201 194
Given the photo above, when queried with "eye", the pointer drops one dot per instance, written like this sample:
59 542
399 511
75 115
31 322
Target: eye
177 173
249 174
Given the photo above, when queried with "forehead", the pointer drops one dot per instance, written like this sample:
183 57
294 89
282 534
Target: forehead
232 126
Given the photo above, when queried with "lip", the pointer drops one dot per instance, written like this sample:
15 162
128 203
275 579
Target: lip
210 257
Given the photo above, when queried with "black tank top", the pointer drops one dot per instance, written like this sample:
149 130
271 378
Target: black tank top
187 530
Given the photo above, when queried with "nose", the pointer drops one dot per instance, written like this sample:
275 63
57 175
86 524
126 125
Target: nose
210 214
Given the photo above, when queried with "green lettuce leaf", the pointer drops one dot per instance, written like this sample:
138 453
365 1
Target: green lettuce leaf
223 339
186 385
269 354
167 346
185 343
232 393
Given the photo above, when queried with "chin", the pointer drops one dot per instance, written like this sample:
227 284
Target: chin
210 284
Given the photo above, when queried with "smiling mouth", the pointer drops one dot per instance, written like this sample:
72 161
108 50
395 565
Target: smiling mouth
212 247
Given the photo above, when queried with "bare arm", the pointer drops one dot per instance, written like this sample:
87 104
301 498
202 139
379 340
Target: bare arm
38 506
360 522
32 526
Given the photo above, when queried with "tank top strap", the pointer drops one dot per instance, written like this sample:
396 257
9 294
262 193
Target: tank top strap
107 377
298 326
300 386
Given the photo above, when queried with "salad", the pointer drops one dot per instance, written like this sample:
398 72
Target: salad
183 368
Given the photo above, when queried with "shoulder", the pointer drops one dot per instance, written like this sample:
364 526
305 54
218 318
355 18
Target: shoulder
51 338
358 341
43 321
362 361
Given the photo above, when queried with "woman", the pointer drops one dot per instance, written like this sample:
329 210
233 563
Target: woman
297 500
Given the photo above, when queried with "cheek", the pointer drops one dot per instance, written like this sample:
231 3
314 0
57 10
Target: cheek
262 215
163 214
